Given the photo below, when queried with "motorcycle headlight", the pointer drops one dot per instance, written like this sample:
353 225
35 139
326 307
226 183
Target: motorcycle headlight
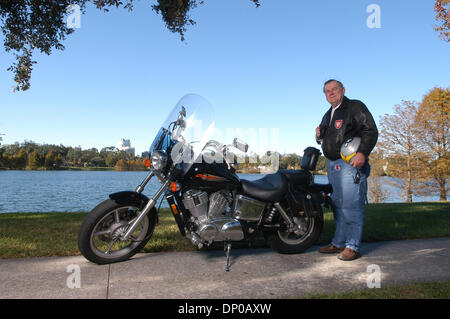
159 160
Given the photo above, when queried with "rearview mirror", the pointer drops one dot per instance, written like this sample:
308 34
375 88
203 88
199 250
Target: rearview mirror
180 121
240 145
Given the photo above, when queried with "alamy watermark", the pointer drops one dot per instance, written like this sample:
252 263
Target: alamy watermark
374 19
74 279
192 145
73 20
374 279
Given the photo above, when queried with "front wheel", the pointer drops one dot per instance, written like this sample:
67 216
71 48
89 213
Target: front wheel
100 235
306 234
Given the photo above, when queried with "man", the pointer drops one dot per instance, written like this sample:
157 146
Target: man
346 119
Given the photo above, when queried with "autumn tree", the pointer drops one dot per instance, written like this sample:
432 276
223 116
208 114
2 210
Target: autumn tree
433 136
442 9
52 160
397 140
40 25
35 160
121 165
13 161
19 161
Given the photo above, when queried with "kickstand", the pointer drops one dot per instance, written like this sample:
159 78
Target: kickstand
227 248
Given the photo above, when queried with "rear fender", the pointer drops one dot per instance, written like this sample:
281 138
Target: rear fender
315 201
310 203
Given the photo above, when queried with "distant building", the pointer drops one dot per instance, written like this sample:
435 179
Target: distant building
125 145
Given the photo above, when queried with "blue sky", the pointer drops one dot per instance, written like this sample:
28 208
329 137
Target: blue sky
261 68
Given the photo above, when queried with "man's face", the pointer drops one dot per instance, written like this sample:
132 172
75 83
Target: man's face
334 93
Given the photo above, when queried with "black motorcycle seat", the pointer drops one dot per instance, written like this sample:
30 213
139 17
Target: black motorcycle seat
270 188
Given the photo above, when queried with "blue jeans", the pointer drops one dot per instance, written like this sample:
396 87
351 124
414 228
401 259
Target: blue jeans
348 202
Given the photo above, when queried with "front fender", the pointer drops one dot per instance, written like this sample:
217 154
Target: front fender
129 197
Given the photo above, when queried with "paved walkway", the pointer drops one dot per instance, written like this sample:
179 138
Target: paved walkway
255 273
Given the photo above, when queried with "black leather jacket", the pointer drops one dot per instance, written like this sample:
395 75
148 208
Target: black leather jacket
351 118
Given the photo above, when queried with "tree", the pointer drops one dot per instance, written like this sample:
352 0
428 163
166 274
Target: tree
290 161
433 128
34 160
74 156
19 161
121 165
98 161
442 9
114 157
52 160
322 165
397 139
30 25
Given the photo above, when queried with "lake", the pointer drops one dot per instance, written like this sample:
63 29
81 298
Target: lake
74 191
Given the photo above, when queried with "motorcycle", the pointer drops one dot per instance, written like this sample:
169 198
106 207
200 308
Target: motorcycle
209 202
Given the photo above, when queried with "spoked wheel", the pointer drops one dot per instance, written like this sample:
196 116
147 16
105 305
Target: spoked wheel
290 241
100 236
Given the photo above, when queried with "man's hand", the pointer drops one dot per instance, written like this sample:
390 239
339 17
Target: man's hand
318 137
358 160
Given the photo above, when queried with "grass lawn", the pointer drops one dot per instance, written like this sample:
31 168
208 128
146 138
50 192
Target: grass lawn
398 221
55 234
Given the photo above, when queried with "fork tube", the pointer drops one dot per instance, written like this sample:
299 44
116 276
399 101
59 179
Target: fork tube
145 211
140 188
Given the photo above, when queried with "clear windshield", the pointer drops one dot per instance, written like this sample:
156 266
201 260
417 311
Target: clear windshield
185 132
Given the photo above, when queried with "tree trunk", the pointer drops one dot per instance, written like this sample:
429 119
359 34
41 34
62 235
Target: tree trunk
409 188
443 191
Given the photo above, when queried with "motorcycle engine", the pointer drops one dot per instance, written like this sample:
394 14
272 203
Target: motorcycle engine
212 217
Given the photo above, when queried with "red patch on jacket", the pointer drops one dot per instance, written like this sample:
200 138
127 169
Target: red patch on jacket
338 124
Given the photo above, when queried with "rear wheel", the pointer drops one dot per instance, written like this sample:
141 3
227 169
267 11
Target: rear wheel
306 233
100 236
